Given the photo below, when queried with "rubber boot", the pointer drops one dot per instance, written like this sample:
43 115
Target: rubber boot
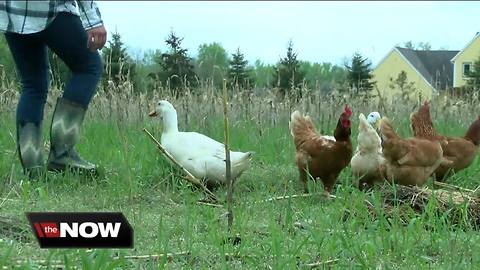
64 135
30 149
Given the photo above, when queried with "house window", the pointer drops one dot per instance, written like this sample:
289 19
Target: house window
466 68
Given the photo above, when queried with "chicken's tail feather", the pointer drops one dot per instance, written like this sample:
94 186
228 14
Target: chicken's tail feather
301 127
387 130
473 132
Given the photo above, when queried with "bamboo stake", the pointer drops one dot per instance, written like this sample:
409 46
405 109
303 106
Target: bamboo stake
51 263
325 194
445 185
210 204
190 177
228 172
170 256
296 196
320 264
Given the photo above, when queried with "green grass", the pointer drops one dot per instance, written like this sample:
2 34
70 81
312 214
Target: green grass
166 218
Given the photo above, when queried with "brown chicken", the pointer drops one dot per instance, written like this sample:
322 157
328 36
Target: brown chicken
461 151
409 161
319 156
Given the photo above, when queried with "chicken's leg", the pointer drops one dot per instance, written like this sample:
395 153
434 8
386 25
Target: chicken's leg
329 182
303 179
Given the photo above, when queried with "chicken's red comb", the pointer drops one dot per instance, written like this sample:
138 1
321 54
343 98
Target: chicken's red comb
347 111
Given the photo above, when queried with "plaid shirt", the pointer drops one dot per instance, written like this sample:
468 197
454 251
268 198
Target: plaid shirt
27 17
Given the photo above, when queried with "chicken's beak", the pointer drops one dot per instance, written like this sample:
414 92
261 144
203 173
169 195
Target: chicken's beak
378 122
153 113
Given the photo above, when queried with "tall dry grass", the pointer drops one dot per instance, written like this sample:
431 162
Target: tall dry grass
125 104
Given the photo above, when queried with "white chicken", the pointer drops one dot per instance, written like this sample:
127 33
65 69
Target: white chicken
367 162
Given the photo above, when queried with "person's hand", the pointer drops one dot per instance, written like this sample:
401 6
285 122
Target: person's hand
97 37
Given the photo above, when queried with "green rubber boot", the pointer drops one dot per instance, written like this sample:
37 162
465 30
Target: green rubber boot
30 149
64 134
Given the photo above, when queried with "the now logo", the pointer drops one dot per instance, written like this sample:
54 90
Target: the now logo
88 230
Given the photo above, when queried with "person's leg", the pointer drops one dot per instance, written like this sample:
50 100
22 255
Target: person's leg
67 38
30 56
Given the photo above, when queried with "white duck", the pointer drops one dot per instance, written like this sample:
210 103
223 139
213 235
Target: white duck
199 154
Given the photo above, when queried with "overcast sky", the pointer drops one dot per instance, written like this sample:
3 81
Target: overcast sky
321 31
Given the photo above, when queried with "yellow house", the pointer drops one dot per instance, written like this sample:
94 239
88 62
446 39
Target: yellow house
463 61
429 71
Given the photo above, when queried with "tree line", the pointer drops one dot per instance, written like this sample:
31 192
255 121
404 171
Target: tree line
174 68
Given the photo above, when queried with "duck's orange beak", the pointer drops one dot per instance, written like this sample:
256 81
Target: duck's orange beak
153 113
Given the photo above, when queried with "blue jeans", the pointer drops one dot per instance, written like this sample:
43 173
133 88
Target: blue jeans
66 37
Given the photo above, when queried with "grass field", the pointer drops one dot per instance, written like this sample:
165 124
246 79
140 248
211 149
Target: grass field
304 233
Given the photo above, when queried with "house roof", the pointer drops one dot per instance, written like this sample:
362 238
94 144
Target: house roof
434 65
477 35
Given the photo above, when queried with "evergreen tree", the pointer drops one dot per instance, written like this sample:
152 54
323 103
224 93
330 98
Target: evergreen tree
118 64
359 75
177 67
287 74
238 71
473 77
